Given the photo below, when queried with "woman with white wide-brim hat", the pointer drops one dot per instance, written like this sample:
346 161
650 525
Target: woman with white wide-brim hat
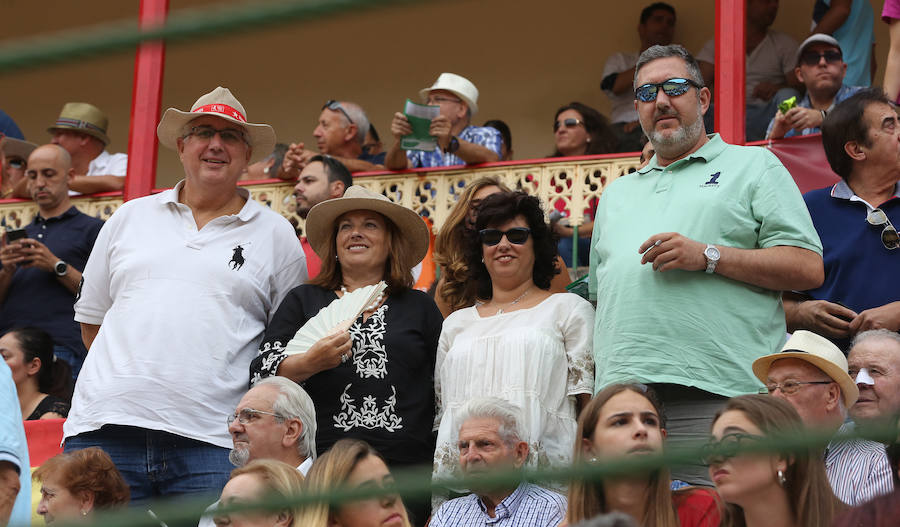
374 382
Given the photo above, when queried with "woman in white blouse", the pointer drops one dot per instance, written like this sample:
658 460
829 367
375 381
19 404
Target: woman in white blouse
519 342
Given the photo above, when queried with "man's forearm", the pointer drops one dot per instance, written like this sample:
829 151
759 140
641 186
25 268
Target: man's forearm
9 489
781 268
95 184
624 82
71 280
396 159
358 165
6 277
834 18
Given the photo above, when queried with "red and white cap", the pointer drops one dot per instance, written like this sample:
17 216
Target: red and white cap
219 103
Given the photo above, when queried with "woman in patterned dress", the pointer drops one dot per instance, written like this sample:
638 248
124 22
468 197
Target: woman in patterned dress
520 342
375 382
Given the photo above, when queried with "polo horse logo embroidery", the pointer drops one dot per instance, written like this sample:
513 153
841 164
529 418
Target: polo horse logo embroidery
237 259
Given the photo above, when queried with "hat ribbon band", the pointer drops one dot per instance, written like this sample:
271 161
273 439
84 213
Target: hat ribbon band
76 123
223 109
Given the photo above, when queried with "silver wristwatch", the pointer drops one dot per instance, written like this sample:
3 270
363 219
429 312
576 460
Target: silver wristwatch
712 255
61 268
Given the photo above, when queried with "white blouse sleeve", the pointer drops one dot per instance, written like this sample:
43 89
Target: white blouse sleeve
578 328
442 350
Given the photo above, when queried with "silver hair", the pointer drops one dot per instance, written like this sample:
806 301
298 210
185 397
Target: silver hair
875 334
357 117
505 413
672 50
294 403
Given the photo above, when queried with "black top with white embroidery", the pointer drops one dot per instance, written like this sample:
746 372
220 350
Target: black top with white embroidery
385 393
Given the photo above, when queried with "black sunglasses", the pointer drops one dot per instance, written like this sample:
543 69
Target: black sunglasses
571 122
335 106
516 235
16 163
889 237
811 58
672 88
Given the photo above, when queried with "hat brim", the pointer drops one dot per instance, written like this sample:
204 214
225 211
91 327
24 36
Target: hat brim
473 106
412 229
89 131
13 147
848 387
261 136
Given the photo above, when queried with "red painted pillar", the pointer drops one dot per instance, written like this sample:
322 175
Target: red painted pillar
730 59
146 99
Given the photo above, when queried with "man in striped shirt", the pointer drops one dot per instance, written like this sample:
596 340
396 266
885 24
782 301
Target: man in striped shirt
810 372
489 441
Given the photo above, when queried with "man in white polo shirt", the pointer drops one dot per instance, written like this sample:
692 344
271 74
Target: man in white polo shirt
174 301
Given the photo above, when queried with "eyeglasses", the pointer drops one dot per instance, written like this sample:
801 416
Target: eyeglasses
672 88
335 106
229 136
571 122
889 236
811 58
247 415
727 447
516 235
16 163
438 99
788 387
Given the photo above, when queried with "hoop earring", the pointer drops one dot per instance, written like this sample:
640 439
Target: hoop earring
781 479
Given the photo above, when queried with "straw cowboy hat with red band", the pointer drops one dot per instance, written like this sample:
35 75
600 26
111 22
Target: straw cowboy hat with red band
217 103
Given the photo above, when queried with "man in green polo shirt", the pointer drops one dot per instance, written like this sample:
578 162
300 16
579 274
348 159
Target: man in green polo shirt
690 254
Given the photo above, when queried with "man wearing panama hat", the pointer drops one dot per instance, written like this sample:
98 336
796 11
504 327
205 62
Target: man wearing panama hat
811 373
458 141
174 301
81 130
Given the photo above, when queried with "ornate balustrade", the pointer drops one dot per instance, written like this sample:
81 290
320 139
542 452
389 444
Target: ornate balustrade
571 182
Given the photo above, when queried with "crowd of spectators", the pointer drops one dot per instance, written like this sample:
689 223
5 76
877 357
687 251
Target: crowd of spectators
202 334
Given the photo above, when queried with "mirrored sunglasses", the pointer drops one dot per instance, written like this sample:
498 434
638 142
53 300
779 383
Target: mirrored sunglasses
571 122
672 88
889 237
516 235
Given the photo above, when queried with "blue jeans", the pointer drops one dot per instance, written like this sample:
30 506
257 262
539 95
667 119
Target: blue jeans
156 463
66 354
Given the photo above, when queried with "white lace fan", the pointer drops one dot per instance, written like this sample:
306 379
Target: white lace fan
335 317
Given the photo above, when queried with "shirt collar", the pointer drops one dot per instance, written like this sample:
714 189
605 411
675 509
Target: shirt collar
72 211
707 152
508 507
842 190
246 213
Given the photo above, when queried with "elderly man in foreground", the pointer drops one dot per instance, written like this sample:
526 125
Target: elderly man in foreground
811 373
490 442
174 302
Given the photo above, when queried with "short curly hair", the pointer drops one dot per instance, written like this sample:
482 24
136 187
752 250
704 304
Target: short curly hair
88 470
497 209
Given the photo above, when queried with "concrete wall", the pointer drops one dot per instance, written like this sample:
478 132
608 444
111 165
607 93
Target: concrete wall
527 57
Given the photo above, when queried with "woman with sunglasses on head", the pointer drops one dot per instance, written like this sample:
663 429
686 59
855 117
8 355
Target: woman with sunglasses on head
768 489
519 342
626 421
352 464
